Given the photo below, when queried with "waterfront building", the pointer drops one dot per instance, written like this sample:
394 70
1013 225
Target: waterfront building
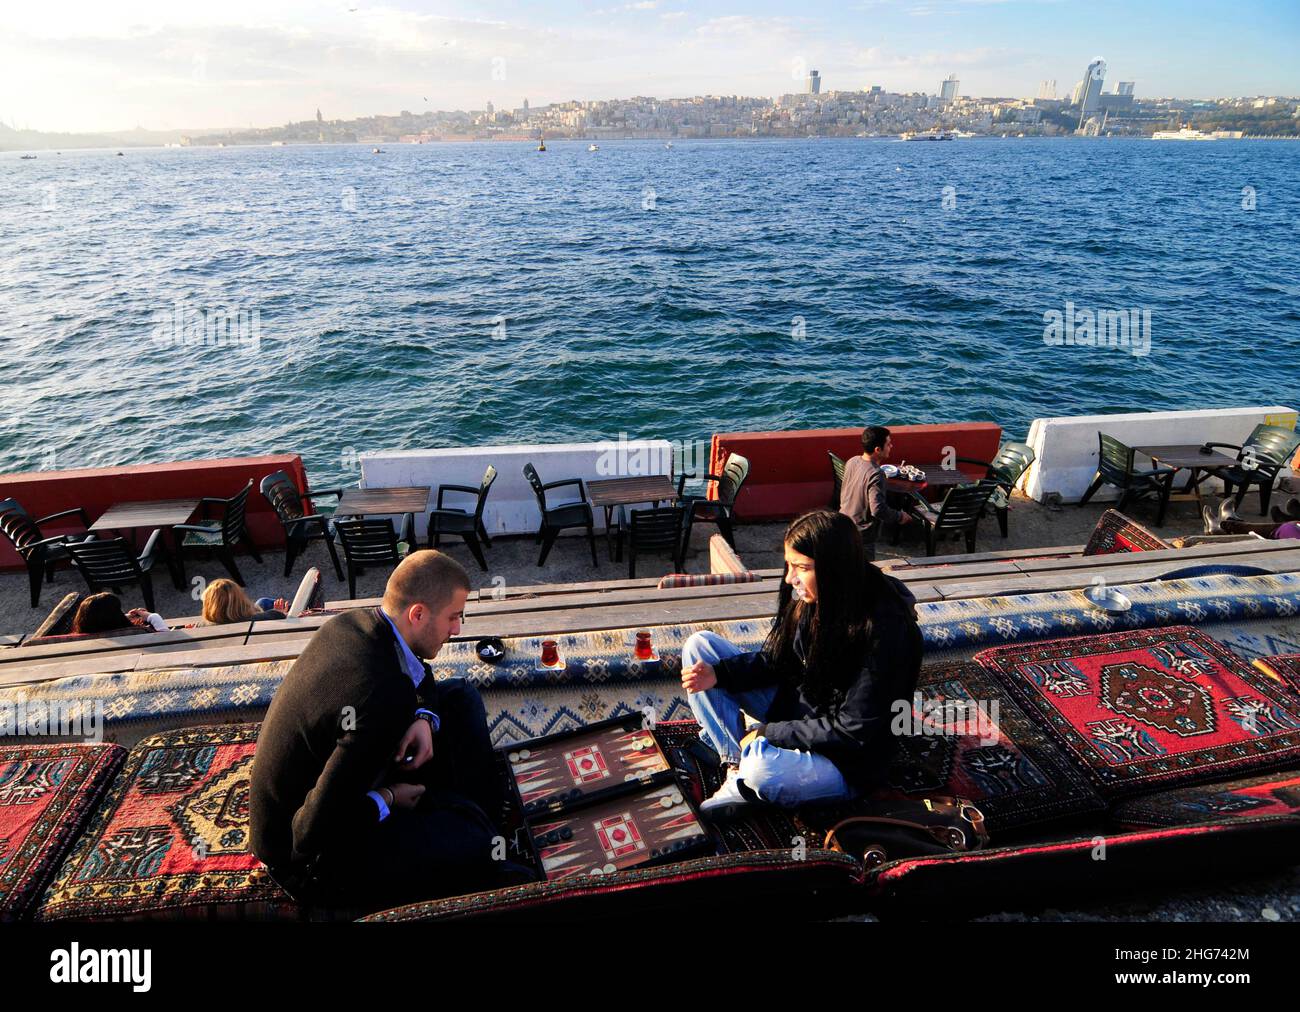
948 90
814 83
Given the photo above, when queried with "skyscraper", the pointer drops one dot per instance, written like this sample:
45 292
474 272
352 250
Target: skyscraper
814 83
1047 89
1093 79
1088 94
948 90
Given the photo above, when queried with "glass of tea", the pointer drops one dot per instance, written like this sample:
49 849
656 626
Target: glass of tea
550 653
644 650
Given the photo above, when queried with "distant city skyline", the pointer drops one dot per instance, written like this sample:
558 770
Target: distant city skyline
78 66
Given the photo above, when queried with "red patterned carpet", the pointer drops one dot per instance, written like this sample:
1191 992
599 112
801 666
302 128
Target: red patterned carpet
1251 797
1117 533
1146 708
171 838
47 793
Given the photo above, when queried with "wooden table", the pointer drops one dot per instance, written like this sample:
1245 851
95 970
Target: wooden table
611 492
360 502
156 513
130 516
937 477
1188 457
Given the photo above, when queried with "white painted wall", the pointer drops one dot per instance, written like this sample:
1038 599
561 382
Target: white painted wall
511 506
1066 448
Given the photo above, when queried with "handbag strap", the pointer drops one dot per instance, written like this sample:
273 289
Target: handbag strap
965 810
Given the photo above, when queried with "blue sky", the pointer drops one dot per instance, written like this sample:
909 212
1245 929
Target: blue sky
85 65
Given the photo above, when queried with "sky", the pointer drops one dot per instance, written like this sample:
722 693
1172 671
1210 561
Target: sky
91 65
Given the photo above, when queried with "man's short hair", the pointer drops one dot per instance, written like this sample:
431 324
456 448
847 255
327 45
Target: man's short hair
426 577
873 437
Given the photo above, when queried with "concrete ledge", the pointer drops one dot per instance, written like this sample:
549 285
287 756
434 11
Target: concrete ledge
511 506
1066 448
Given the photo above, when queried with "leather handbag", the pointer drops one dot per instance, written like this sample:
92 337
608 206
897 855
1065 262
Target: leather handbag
887 830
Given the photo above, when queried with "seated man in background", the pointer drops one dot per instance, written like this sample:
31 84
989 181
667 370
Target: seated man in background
375 785
862 495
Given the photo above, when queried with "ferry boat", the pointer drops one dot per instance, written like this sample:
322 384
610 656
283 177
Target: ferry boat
930 135
1191 134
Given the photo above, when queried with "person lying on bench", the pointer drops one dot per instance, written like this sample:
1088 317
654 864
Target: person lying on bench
373 784
844 647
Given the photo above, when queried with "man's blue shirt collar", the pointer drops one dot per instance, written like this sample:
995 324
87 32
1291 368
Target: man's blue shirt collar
414 666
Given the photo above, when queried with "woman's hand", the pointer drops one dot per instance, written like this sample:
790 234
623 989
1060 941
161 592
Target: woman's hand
281 605
699 677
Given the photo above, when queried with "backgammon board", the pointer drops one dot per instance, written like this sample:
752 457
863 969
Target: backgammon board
653 825
563 769
602 798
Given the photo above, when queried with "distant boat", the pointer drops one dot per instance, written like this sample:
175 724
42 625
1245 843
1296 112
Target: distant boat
277 144
931 135
669 146
593 147
26 157
1192 134
376 151
119 154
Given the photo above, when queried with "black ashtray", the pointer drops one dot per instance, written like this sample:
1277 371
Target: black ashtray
490 649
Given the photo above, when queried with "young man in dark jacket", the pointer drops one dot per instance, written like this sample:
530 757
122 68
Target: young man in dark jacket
374 784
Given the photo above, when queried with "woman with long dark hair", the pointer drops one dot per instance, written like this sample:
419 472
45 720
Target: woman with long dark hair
844 647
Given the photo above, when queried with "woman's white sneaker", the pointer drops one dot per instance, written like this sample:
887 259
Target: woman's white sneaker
726 797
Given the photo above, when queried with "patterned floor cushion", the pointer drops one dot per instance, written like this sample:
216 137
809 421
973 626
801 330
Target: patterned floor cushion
1151 707
1248 798
47 794
969 738
1283 669
1117 533
171 839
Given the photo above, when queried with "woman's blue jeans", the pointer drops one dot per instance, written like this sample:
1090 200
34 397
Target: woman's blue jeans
781 776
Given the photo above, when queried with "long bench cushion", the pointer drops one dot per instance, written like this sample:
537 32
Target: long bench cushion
1151 707
47 794
171 838
753 882
1275 793
675 581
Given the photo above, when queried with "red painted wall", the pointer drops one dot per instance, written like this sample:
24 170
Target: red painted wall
96 489
789 472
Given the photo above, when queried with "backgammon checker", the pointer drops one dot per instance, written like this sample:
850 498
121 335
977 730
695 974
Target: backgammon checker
601 799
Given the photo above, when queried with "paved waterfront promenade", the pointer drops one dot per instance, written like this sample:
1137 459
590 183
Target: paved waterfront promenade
512 561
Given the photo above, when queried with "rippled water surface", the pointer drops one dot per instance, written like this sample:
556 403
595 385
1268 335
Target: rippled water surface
442 295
